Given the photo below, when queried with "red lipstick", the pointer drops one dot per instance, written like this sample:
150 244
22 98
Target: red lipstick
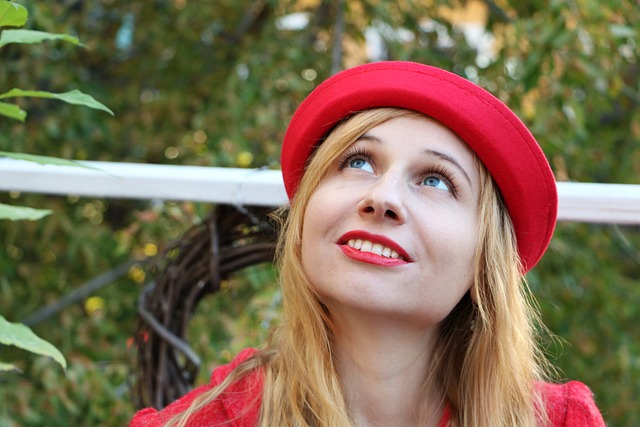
369 257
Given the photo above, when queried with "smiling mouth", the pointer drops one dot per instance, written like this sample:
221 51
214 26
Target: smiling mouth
374 248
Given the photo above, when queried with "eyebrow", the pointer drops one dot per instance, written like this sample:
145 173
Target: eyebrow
439 154
367 137
451 160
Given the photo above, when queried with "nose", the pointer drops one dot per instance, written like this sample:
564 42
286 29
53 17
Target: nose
383 200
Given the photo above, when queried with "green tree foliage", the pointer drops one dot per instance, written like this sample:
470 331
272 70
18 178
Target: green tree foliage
15 15
215 83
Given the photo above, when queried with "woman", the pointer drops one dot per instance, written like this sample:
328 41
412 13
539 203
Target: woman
417 203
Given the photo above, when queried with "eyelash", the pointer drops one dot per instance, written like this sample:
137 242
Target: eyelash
352 153
445 174
440 170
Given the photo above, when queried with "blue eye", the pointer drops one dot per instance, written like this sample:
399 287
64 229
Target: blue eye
360 163
434 181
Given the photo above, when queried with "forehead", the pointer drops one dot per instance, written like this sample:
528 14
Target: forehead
422 133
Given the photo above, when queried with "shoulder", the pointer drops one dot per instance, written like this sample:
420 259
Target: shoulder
570 404
222 372
240 401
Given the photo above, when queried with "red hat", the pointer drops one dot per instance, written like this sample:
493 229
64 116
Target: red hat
499 138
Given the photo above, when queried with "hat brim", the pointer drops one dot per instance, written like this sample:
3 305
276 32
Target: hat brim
499 138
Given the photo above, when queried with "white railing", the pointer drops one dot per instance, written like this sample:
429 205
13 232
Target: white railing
586 202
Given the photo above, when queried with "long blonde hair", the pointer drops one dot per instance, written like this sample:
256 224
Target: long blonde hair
486 360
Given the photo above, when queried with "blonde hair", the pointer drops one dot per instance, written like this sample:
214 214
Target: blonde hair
486 360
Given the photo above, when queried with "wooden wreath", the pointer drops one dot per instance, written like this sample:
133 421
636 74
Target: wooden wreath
229 240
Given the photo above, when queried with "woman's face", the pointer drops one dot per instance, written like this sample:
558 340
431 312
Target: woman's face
392 227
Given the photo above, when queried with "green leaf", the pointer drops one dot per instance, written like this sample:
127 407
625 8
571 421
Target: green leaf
19 213
5 367
21 336
72 97
13 111
12 14
33 36
44 160
622 31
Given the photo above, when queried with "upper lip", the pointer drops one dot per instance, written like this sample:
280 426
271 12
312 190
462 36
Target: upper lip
374 238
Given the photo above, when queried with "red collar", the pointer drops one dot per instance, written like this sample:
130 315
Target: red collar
446 416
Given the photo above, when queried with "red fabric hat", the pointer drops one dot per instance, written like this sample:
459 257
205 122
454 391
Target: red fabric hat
499 138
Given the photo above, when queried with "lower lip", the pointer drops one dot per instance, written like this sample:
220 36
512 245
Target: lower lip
371 258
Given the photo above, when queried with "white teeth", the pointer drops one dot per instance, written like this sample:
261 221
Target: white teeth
376 248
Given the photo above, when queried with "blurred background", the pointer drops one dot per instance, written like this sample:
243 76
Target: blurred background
214 83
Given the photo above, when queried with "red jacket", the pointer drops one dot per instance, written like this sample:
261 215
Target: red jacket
568 405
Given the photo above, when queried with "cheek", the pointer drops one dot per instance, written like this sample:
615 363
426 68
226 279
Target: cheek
312 221
322 225
458 241
313 228
467 246
323 210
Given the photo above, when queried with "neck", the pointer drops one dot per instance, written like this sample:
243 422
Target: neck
383 366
